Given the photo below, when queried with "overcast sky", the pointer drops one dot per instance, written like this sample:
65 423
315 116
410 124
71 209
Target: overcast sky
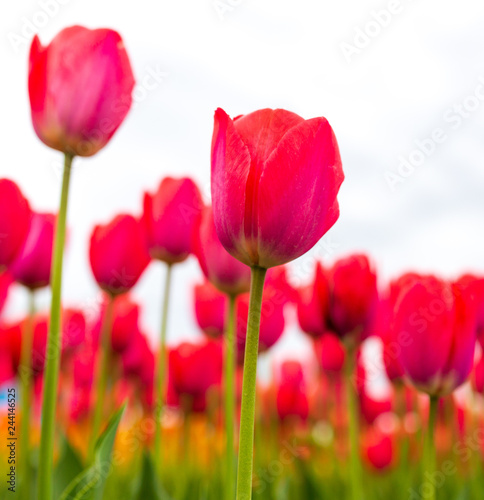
401 82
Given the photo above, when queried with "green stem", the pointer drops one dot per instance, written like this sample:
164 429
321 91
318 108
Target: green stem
52 362
430 458
161 369
101 380
246 443
230 349
356 483
26 394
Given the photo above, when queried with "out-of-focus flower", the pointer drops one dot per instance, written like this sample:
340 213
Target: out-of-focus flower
32 265
291 398
5 282
478 376
224 271
194 369
118 254
330 353
170 216
353 297
379 450
15 215
80 89
73 329
439 319
210 309
275 178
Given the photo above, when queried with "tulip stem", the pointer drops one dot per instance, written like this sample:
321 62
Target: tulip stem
356 483
230 349
246 442
26 394
101 380
53 349
430 458
161 369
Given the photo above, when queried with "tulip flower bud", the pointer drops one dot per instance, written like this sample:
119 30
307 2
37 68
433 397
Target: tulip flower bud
210 309
80 89
439 319
32 265
170 216
275 177
15 217
118 254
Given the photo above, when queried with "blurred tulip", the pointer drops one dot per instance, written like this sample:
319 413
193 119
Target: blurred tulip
440 322
5 282
371 408
313 304
194 368
210 309
32 265
275 177
330 353
73 329
379 450
170 216
7 370
292 399
224 271
118 254
124 322
353 297
15 217
80 89
478 376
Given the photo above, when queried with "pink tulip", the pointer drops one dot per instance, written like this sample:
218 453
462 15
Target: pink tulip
313 304
73 330
210 309
7 369
32 265
291 398
195 368
353 297
118 254
15 217
331 353
275 178
220 268
80 89
379 450
478 376
439 320
170 216
5 282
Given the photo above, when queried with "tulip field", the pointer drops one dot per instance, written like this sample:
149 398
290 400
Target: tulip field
92 407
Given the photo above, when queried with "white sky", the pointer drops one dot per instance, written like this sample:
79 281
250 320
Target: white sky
398 89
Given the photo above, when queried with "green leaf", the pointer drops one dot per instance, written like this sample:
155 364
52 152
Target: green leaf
68 467
89 484
150 486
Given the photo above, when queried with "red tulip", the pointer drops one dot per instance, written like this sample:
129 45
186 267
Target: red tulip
372 408
379 450
195 368
80 89
118 254
15 217
275 178
170 216
83 368
124 323
7 369
292 399
331 353
32 265
353 297
210 309
11 335
439 319
272 320
73 329
313 304
220 268
136 356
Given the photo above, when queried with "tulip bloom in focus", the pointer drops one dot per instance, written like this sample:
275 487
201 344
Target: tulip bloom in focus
275 177
80 89
15 217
